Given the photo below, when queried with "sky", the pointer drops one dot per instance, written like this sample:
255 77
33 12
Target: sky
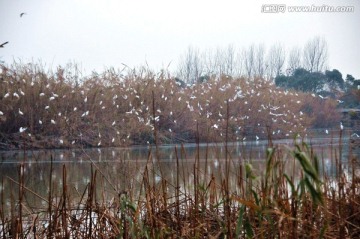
108 33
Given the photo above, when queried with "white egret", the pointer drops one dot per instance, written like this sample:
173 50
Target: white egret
22 129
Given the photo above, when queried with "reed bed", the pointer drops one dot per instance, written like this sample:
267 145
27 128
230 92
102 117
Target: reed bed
63 109
291 196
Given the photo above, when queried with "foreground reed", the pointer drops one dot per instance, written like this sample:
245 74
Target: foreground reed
293 196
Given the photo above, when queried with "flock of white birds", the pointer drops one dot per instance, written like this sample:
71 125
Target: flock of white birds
110 110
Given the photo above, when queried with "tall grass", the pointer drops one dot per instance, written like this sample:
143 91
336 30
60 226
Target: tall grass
292 196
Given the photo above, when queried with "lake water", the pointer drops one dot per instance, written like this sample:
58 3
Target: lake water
121 169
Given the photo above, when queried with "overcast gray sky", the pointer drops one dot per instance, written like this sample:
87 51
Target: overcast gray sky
102 34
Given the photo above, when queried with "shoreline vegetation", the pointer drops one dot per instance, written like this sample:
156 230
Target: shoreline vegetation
61 109
291 196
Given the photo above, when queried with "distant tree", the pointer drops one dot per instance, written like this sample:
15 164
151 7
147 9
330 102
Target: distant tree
229 60
190 66
209 62
249 60
294 59
259 61
309 81
351 96
334 80
276 60
222 61
302 80
349 81
315 55
284 81
349 78
239 64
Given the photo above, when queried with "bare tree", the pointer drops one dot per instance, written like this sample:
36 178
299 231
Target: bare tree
249 60
190 66
276 60
229 60
315 55
239 64
259 65
294 60
219 62
208 62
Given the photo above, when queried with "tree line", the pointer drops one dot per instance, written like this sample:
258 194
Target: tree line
302 69
252 61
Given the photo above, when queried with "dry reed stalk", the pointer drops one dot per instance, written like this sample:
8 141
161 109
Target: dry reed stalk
2 210
177 191
50 196
19 220
64 209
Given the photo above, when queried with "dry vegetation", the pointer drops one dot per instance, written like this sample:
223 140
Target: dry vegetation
291 196
40 109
